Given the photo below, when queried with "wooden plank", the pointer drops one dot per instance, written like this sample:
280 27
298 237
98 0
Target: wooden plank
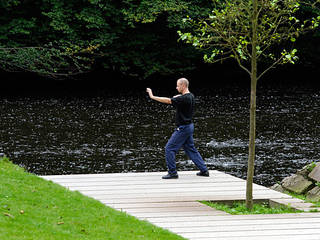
127 176
176 187
199 195
137 177
270 237
246 228
137 211
257 234
193 190
145 180
170 208
130 185
145 216
137 182
115 200
156 204
109 201
130 174
237 223
240 218
288 200
165 188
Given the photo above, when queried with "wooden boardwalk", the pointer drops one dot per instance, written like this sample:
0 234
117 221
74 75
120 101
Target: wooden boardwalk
173 204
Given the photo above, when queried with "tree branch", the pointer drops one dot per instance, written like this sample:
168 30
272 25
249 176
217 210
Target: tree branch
270 67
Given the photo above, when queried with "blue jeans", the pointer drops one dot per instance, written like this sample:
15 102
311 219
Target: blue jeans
183 137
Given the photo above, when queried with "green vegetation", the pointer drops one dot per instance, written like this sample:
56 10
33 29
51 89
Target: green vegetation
136 38
33 208
239 208
311 166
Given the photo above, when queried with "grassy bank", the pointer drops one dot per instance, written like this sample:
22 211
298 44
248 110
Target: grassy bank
33 208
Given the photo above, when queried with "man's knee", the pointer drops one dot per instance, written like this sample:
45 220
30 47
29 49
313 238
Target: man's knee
170 148
189 147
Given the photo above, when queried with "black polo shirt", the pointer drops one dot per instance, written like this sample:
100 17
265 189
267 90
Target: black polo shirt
184 105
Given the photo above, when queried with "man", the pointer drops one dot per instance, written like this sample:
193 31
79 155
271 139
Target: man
183 134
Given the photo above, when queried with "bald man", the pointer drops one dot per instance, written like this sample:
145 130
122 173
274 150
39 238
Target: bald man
183 134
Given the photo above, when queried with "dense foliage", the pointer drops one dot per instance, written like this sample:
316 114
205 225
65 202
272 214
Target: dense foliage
61 38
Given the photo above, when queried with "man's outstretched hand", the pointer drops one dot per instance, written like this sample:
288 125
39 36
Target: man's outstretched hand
159 99
149 91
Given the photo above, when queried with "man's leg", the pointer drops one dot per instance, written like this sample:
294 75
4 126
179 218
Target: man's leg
193 153
172 147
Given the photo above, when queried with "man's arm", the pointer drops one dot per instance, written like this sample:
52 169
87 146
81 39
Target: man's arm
159 99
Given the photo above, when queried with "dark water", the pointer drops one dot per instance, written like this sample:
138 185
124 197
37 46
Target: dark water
126 132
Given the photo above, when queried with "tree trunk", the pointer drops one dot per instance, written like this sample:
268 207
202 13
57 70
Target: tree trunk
252 132
252 138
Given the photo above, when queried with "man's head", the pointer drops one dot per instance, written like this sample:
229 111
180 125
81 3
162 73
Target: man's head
182 85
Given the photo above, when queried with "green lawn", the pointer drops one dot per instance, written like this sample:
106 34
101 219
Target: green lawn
33 208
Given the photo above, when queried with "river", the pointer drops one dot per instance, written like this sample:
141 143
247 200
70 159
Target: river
127 132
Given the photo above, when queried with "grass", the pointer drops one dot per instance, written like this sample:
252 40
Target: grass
239 208
33 208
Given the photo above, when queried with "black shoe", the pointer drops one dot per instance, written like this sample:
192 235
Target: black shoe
203 174
170 176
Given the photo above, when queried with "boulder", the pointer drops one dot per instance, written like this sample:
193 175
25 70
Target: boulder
314 194
277 187
315 173
296 183
304 171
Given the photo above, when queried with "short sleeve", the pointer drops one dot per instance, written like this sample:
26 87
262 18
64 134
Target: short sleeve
177 101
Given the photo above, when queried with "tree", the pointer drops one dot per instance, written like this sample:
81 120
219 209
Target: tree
135 38
251 32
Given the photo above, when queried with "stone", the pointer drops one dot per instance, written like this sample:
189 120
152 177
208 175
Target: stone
314 194
296 183
315 173
277 187
304 171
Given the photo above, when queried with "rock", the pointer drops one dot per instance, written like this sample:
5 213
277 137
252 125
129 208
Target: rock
314 194
296 183
315 173
304 171
277 187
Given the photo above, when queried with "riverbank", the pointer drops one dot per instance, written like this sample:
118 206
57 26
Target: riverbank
33 208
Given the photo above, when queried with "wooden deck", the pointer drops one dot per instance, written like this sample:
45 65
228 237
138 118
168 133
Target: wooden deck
173 204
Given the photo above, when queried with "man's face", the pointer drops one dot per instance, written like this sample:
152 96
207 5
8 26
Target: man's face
179 86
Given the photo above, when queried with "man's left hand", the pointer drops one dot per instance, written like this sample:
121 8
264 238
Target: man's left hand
149 91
